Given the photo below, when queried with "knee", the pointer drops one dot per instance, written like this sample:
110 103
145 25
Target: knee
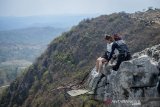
99 59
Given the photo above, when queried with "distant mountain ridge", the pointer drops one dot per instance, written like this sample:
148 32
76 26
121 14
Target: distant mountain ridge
27 39
57 21
32 35
71 56
19 48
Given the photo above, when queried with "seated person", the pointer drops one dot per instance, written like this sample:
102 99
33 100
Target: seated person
104 59
122 48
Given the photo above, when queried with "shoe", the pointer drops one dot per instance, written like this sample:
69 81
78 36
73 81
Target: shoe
96 74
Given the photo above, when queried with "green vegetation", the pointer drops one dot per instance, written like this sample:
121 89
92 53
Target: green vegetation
19 48
9 73
71 56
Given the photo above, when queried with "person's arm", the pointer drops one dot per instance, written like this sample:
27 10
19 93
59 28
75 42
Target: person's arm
114 46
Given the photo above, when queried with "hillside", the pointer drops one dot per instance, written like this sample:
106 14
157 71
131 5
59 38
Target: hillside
71 56
15 42
19 48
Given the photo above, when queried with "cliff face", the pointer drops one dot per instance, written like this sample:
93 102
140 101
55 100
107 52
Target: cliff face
136 79
71 56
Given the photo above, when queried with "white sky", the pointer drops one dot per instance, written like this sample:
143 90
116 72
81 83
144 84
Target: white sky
63 7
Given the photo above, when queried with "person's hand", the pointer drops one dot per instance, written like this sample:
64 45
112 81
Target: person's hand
111 61
114 57
106 62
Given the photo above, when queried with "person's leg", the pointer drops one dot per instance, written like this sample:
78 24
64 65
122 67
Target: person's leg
128 57
120 59
103 60
97 64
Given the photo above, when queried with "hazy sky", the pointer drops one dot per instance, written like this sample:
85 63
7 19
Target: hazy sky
52 7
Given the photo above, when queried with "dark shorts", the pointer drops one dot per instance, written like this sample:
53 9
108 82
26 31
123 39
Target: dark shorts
105 56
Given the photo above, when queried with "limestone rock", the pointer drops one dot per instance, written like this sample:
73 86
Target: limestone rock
136 79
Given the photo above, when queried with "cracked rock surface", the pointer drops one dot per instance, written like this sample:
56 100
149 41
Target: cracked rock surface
136 79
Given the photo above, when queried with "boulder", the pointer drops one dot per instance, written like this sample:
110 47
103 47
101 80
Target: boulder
136 79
